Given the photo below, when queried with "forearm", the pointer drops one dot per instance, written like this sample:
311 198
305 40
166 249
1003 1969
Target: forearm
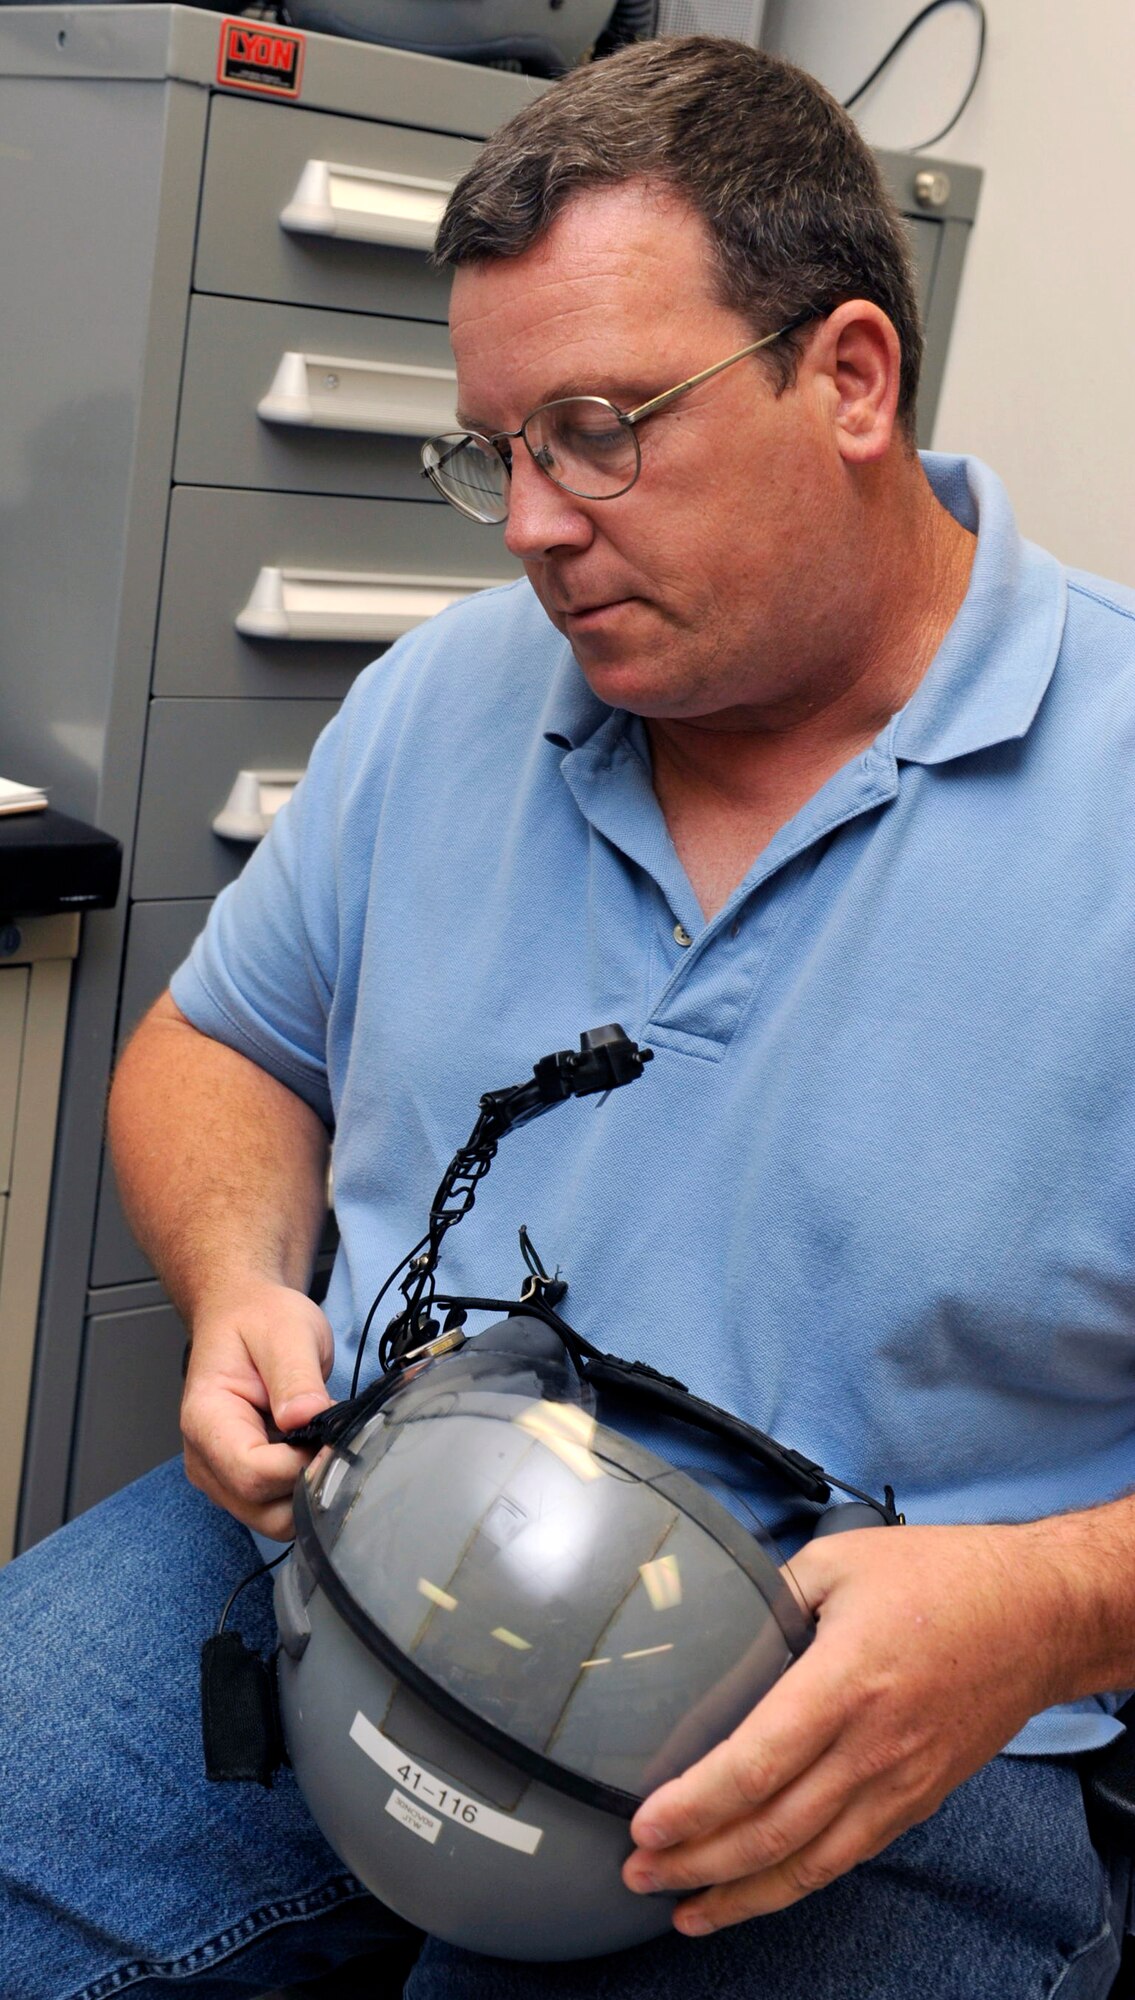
1076 1582
222 1170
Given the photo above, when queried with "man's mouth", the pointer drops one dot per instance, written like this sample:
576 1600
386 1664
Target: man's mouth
583 614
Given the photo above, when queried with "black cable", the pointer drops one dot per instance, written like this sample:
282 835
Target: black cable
260 1570
975 7
374 1305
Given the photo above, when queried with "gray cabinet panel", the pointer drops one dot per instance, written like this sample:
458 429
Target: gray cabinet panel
938 222
232 356
160 937
129 1399
220 538
252 167
194 750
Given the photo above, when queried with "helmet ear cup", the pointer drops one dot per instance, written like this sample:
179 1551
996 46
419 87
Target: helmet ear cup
241 1730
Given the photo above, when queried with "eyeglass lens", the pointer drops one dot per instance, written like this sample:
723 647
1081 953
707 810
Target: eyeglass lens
579 442
469 473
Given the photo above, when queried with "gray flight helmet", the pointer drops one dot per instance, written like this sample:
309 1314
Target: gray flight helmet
502 1625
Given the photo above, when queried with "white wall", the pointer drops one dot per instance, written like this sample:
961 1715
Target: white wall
1041 375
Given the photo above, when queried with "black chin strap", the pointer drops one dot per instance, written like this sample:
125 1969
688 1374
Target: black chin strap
635 1379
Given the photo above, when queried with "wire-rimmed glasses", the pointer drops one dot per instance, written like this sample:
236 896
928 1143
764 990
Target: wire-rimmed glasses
585 444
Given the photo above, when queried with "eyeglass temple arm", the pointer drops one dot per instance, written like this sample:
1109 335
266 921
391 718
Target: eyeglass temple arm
659 402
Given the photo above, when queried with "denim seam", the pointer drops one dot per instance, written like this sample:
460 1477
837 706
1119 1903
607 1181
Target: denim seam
344 1888
1070 1964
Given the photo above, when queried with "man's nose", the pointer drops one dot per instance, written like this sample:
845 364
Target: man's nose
541 516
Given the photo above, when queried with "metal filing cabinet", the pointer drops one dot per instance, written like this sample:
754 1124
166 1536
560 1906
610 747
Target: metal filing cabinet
230 339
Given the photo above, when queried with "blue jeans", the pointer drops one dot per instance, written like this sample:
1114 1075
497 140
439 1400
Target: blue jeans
124 1871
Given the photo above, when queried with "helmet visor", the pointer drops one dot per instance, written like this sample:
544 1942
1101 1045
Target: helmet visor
557 1580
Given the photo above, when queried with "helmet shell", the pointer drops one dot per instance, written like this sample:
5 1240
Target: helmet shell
423 1816
503 1624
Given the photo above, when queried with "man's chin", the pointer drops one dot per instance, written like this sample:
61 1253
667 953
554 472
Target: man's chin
615 652
633 684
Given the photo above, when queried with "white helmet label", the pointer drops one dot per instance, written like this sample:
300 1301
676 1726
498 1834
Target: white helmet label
412 1817
425 1788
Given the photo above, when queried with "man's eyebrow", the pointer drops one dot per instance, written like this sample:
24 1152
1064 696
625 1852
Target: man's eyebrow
625 394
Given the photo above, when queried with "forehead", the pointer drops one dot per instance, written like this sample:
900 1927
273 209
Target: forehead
623 279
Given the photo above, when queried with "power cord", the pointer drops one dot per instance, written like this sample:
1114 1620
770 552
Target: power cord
975 7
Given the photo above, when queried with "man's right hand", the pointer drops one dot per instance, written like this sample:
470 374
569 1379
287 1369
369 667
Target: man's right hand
259 1358
223 1174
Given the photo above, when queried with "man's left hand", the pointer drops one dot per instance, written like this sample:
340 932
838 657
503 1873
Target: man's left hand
934 1646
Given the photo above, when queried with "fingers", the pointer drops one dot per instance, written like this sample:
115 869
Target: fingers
261 1501
854 1835
799 1719
817 1827
293 1365
238 1469
264 1358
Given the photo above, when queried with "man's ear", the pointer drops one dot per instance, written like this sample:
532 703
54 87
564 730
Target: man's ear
857 360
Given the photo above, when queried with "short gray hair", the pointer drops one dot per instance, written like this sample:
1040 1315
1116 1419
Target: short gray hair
790 193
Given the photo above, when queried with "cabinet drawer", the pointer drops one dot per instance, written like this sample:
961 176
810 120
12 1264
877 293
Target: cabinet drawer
355 240
13 1008
129 1399
241 354
222 541
194 752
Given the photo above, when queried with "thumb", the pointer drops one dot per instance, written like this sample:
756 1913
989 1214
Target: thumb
292 1368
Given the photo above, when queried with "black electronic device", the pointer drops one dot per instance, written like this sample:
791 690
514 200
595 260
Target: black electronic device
50 862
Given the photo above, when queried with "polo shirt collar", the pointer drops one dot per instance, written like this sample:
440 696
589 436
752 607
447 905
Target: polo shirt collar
572 713
989 675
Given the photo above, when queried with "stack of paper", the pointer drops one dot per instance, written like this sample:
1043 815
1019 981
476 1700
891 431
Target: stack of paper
17 798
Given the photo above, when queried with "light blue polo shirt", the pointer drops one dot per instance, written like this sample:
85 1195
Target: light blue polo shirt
876 1192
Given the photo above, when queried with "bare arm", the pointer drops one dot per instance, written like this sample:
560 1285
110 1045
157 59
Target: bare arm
935 1645
222 1172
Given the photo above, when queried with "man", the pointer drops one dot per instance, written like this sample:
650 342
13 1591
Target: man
797 761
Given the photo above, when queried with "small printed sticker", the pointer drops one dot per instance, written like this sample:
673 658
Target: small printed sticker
412 1817
455 1807
255 56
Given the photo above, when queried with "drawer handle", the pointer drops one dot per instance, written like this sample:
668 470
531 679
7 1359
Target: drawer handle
366 205
252 804
340 604
328 392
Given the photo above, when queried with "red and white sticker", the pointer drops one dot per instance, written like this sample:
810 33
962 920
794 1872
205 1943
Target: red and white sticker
252 55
